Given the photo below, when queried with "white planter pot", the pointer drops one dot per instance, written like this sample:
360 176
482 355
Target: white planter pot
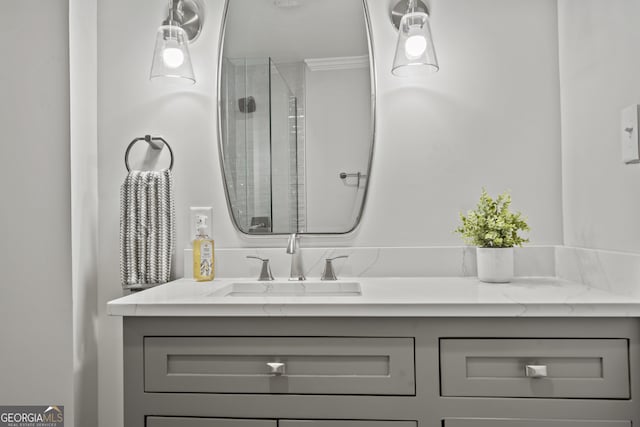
495 265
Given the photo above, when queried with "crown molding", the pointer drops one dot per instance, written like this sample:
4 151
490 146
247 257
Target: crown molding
338 63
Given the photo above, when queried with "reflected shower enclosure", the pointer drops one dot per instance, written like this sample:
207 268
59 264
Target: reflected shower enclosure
263 145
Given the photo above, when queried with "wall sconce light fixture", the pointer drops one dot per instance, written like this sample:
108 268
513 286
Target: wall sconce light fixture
415 53
171 57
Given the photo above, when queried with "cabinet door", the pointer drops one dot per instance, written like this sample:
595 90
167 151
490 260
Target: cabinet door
346 423
574 368
310 365
206 422
493 422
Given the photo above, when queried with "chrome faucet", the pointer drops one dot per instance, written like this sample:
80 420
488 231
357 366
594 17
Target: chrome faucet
297 270
265 271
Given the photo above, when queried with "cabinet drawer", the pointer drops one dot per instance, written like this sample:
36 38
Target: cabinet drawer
578 368
345 423
206 422
312 365
491 422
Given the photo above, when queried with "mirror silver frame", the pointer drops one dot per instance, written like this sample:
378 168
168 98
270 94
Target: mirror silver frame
372 72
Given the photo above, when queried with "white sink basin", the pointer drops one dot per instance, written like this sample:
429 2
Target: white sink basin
294 289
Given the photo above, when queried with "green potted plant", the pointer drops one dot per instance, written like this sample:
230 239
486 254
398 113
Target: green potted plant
494 229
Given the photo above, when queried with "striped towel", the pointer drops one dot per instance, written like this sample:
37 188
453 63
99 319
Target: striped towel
147 228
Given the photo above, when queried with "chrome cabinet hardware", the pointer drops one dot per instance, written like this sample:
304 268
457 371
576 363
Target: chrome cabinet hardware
277 368
329 273
535 371
265 271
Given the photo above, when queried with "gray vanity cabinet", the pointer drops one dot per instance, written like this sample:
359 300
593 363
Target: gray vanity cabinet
573 368
332 423
476 422
381 372
207 422
220 422
307 365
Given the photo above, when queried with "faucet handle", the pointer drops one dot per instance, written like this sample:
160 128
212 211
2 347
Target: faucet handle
329 273
265 272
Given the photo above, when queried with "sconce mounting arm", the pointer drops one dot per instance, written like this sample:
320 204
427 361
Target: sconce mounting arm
187 14
401 9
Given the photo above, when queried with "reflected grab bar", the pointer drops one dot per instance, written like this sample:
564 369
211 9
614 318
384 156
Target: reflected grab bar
359 175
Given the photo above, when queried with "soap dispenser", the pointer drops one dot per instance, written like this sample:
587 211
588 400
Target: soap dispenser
203 262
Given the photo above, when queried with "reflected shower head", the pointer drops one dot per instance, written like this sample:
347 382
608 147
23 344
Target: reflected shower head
247 105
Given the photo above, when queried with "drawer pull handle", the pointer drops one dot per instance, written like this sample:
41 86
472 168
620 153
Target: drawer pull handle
535 371
277 368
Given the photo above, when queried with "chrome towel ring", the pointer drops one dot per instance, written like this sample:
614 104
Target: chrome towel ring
152 141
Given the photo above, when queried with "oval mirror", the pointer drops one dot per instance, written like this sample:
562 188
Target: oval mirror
295 114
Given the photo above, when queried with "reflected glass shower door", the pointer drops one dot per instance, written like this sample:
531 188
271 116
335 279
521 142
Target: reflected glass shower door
260 147
246 141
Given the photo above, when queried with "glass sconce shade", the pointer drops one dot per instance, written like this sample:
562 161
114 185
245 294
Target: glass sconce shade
171 55
415 53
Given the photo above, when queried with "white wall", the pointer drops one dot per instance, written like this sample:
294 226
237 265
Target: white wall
84 206
489 117
36 361
129 105
599 75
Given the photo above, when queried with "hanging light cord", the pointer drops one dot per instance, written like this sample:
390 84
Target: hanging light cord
175 11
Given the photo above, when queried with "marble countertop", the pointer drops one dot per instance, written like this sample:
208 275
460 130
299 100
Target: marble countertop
387 297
